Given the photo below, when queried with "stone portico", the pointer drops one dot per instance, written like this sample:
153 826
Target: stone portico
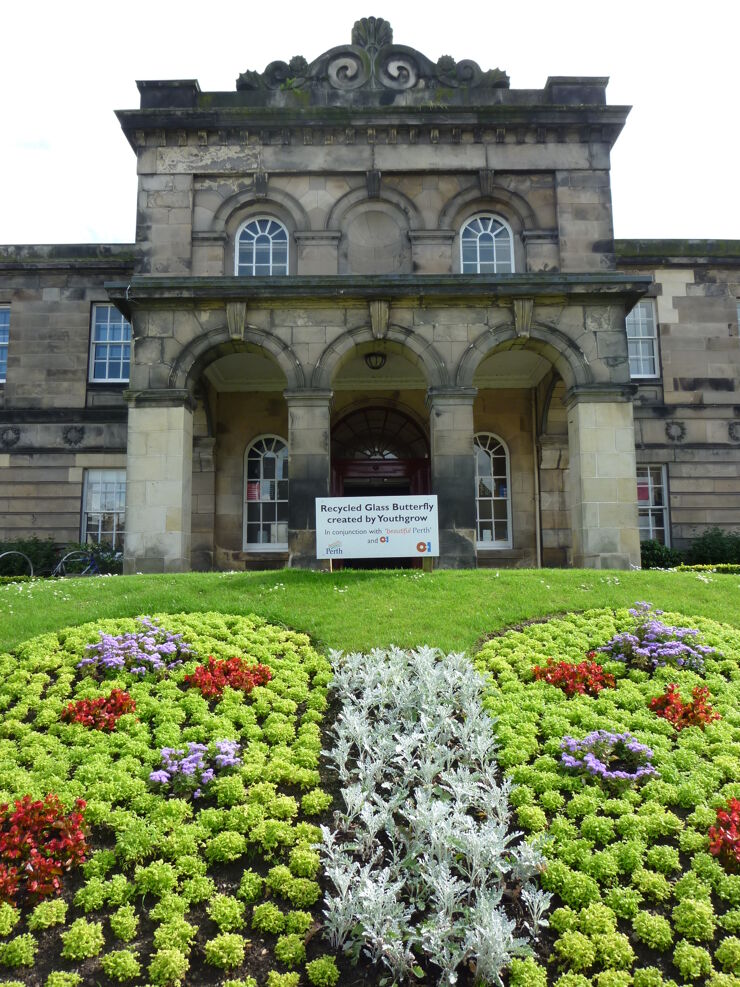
309 329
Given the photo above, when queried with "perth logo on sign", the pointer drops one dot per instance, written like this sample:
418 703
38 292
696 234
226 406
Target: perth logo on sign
334 548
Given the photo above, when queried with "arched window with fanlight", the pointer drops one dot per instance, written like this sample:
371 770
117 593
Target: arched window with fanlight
262 248
486 246
492 492
266 495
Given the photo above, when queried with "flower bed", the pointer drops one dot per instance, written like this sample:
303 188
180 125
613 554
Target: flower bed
190 857
643 895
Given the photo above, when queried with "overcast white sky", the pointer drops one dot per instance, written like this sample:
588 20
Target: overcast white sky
68 174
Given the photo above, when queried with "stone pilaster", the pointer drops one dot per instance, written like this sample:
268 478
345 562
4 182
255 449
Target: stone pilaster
309 467
204 503
603 483
431 251
453 473
318 251
159 472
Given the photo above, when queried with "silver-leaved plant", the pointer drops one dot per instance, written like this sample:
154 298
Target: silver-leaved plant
419 859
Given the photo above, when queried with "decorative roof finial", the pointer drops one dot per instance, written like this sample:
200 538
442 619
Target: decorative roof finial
372 33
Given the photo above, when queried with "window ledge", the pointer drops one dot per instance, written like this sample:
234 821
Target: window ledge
262 552
501 553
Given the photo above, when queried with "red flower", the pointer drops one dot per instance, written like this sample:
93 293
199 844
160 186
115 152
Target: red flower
696 713
213 677
586 678
102 713
725 836
39 841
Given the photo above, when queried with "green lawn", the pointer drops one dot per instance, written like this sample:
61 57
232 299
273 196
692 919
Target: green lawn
362 610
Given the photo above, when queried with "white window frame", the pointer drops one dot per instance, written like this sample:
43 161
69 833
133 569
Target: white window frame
653 476
644 325
115 479
238 264
276 546
493 543
4 343
504 228
119 321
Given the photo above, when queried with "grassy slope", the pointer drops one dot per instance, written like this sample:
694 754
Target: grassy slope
362 610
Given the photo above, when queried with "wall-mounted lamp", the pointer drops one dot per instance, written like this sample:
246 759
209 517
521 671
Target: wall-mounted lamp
375 360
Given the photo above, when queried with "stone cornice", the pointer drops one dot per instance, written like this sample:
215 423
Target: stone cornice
678 253
69 256
175 292
433 124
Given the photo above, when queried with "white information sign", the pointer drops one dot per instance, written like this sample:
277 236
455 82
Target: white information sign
376 527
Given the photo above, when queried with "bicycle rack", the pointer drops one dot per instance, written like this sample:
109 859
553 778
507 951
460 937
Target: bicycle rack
91 567
22 555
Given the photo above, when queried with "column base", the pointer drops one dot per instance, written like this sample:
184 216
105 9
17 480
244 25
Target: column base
456 549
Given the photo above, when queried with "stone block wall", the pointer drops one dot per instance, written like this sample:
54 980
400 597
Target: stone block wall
688 419
54 424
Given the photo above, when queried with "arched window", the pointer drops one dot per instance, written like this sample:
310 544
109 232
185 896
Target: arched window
262 248
486 246
266 495
492 492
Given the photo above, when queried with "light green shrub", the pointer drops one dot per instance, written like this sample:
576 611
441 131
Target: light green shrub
82 940
121 965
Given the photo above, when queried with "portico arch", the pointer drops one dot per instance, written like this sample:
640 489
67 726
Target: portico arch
200 352
419 350
565 355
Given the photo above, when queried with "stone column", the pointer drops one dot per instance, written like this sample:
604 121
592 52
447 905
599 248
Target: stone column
159 472
309 470
603 482
453 473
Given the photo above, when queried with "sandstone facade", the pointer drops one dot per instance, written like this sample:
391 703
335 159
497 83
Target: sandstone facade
368 345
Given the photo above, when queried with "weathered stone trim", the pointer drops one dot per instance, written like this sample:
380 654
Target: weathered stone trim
164 397
594 393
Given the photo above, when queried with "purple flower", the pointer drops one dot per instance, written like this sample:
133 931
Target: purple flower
611 757
654 644
191 771
139 653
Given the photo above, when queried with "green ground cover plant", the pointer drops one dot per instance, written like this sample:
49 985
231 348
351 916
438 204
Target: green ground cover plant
637 892
168 878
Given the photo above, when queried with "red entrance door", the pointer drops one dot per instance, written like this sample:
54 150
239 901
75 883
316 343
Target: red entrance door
358 477
379 452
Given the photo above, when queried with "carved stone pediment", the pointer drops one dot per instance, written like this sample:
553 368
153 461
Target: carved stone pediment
372 62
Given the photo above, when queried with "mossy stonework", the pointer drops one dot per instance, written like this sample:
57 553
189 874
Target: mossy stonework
455 232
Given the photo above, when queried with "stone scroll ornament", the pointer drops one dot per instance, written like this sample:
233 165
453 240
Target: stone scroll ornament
371 61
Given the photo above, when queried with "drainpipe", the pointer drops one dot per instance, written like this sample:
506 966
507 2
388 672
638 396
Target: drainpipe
536 475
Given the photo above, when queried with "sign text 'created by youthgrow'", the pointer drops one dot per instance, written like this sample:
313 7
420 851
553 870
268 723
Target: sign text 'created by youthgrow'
376 527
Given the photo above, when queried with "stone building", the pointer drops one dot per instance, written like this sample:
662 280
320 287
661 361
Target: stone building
371 274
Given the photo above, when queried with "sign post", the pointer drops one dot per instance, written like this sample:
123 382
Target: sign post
377 527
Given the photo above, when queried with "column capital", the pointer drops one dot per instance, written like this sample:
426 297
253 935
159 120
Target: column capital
599 393
432 236
318 236
160 397
450 395
308 395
